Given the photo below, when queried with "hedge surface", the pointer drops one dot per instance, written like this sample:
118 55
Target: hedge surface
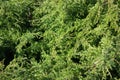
60 40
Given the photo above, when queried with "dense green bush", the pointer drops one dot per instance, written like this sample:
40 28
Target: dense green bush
59 40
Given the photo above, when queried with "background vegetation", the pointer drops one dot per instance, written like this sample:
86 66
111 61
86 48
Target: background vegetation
59 39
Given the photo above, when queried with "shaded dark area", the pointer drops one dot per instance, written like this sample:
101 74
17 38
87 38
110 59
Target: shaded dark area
115 1
28 44
91 2
7 54
7 51
97 41
76 11
95 25
27 17
5 0
115 70
75 78
38 57
76 59
80 48
35 54
38 38
115 73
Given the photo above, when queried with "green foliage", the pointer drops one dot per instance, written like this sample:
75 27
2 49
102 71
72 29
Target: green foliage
60 40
